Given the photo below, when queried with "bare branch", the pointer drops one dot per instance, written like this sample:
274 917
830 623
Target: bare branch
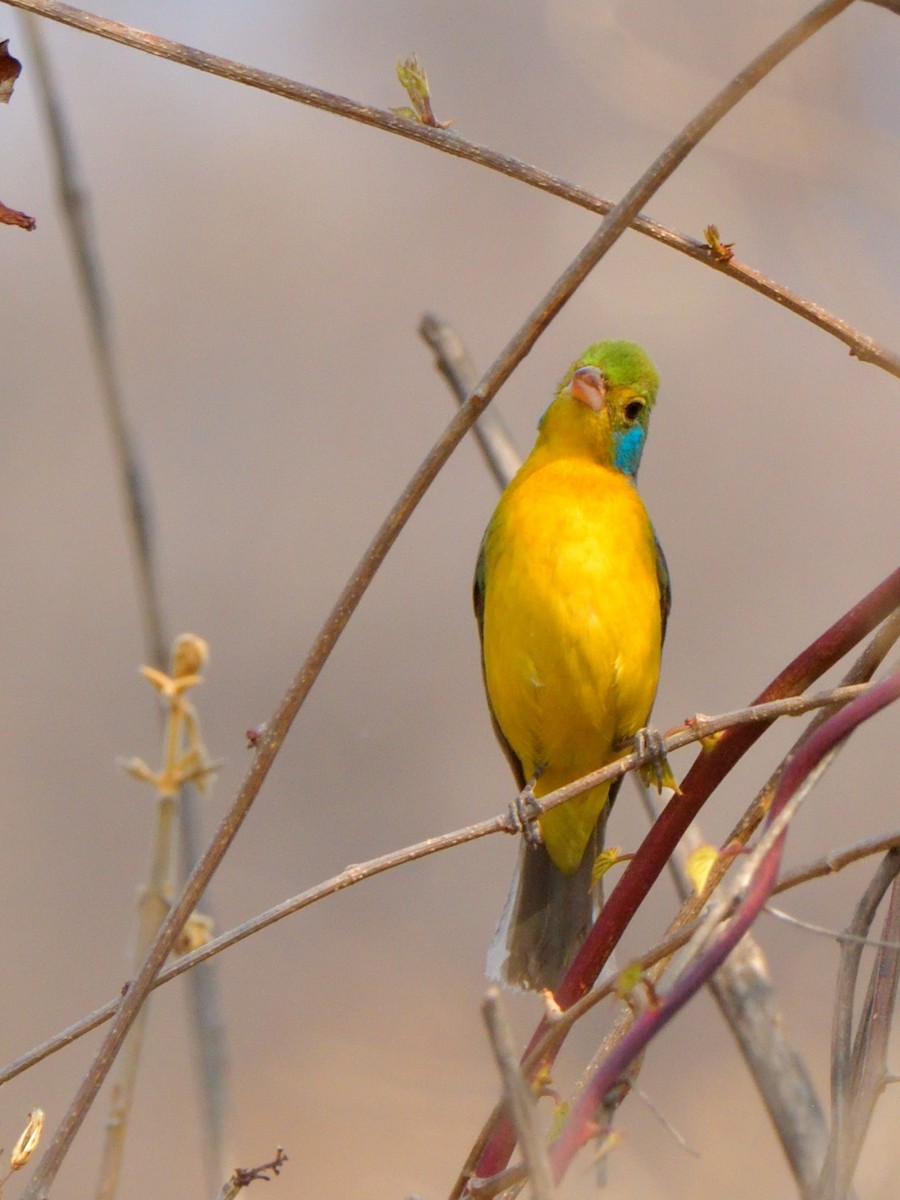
837 860
860 345
746 995
73 202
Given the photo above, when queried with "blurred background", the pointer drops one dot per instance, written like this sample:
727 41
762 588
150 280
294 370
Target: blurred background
267 267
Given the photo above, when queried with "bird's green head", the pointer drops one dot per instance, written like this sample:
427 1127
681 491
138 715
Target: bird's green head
602 406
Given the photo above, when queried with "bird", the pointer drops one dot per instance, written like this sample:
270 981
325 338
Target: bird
572 597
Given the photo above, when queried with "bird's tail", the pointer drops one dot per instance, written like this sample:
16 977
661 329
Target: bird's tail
546 917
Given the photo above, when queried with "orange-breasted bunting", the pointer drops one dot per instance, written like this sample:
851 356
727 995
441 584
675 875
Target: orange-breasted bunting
572 597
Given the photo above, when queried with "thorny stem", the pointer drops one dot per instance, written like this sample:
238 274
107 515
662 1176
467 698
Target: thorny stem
448 142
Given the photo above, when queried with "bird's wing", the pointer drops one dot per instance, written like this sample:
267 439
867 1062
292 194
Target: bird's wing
478 594
665 586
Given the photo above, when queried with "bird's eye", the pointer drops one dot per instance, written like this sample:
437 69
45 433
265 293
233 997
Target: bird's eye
633 409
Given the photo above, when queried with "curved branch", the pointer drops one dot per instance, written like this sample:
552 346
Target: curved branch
860 345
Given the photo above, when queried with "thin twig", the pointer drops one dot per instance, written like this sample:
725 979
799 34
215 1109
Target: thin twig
861 346
837 860
453 361
519 1097
132 482
826 866
244 1176
833 935
701 728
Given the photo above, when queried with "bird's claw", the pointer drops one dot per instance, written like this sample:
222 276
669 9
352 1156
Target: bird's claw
656 771
523 816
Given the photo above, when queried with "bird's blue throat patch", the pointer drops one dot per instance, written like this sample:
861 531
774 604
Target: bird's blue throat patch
628 448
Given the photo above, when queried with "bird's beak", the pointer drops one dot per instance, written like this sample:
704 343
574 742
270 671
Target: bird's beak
589 387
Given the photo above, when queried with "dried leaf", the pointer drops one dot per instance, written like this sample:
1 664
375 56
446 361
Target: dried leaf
11 216
10 70
28 1141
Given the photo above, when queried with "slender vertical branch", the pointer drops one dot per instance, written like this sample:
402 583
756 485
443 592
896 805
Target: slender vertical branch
845 1140
132 482
519 1097
454 363
136 493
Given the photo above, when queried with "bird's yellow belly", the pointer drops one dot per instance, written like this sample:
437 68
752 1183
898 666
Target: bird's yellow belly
571 632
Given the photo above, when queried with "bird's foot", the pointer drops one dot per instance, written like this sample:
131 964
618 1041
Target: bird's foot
523 815
656 771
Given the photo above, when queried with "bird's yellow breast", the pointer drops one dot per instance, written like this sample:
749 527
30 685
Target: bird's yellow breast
572 630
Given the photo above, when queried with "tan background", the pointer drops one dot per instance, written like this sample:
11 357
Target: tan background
267 267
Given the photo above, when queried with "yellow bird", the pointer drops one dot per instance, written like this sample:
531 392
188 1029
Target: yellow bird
572 597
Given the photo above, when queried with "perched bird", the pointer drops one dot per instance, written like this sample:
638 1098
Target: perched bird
572 597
